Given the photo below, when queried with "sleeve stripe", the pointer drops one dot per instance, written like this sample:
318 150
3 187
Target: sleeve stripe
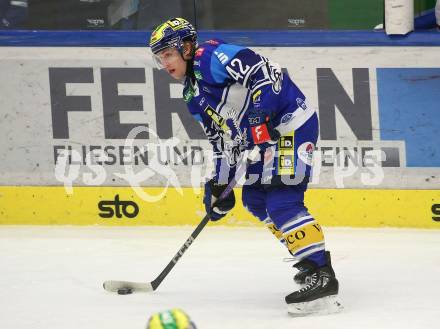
223 100
245 106
261 84
252 71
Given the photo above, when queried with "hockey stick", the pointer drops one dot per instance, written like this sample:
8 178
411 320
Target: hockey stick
127 287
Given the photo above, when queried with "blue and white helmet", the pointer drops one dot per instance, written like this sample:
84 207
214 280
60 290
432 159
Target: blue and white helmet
172 34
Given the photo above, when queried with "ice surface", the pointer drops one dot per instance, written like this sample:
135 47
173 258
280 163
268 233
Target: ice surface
51 278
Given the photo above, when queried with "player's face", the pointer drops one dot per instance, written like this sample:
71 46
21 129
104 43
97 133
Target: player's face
171 60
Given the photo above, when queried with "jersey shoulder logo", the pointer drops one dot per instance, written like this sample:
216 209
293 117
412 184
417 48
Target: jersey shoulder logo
213 42
199 52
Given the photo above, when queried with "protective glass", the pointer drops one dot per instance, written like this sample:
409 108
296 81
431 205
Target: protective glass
166 57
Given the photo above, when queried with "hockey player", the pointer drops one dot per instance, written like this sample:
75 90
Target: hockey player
243 100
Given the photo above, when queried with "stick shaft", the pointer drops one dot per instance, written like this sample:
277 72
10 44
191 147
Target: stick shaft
156 282
252 156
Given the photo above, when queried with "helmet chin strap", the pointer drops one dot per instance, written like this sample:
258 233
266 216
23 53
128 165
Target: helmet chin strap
190 63
190 68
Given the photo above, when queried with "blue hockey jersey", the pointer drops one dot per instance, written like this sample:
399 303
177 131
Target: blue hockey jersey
229 81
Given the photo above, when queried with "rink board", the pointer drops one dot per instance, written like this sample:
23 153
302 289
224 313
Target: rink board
332 207
83 93
85 101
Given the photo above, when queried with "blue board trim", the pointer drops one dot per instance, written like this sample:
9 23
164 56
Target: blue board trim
245 38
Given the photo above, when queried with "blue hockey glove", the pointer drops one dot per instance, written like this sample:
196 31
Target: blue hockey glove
262 129
212 193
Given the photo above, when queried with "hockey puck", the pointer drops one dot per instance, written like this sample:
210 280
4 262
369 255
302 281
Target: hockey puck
125 291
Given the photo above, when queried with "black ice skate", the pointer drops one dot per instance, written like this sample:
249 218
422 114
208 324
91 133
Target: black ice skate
318 296
305 267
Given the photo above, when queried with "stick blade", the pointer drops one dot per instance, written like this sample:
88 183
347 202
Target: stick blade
114 286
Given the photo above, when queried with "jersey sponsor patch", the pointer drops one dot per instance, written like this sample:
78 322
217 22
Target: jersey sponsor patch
286 154
188 95
287 118
303 237
190 92
199 52
260 134
217 118
198 75
212 42
286 142
286 163
300 102
256 98
305 152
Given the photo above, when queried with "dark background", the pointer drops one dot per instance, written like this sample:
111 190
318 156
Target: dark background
210 14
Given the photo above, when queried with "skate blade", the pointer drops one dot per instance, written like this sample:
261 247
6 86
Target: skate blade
321 306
